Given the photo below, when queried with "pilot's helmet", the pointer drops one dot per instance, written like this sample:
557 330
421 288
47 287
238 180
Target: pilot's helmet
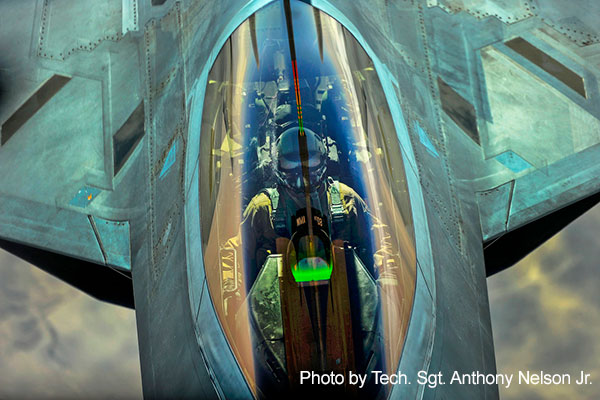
289 158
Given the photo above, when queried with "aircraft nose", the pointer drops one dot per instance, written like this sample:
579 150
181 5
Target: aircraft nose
301 284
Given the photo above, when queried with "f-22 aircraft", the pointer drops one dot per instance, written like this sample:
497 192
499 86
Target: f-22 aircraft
289 191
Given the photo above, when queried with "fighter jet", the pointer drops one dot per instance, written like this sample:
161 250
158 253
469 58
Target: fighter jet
299 198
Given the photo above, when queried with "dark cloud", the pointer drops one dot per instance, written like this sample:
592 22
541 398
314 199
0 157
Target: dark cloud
564 352
27 334
58 352
519 312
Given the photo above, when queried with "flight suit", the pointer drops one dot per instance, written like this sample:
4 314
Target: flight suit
260 235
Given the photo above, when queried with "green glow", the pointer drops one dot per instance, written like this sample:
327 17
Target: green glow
312 269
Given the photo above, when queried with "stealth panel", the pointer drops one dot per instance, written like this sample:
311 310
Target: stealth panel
424 139
71 26
84 196
507 11
57 230
127 137
167 119
548 64
60 147
113 238
579 24
169 161
460 110
32 106
18 78
130 16
494 209
529 116
513 161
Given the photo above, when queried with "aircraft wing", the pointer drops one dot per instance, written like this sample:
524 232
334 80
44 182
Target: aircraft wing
73 137
518 103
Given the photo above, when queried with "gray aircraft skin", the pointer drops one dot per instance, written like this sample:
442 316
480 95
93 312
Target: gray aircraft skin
493 105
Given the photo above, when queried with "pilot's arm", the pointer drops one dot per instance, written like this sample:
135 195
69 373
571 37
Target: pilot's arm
386 260
258 240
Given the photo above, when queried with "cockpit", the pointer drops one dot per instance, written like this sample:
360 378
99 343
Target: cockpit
307 233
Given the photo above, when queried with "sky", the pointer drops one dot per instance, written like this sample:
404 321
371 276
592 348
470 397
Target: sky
546 312
57 342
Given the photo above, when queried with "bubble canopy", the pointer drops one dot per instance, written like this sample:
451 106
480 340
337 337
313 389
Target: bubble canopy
307 233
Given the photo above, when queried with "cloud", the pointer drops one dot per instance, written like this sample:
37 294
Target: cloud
57 342
546 312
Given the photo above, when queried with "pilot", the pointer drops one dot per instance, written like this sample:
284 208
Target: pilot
269 214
